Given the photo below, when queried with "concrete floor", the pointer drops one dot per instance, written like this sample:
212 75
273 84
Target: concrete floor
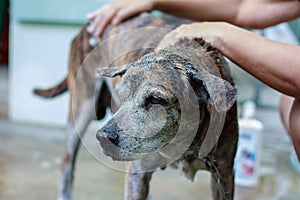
30 157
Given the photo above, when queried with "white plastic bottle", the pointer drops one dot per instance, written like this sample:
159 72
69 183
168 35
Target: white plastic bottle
249 146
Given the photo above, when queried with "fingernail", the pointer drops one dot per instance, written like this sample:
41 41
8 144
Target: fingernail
90 16
93 41
90 28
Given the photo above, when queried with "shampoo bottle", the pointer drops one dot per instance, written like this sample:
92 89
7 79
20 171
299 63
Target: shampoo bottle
249 146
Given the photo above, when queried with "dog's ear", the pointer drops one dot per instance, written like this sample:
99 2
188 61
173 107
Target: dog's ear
112 71
222 93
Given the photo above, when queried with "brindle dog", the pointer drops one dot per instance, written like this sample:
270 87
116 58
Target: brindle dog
167 100
90 97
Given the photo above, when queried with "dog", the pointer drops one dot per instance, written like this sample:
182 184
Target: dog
167 99
91 96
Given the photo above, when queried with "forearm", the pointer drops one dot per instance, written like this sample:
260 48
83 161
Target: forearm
200 10
274 63
255 14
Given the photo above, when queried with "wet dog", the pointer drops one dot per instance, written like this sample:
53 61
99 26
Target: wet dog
168 100
158 113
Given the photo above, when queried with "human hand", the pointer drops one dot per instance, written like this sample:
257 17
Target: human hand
211 32
114 13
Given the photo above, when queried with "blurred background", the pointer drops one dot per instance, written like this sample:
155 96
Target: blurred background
35 39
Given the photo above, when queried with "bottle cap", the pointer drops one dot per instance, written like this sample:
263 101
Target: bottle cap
249 108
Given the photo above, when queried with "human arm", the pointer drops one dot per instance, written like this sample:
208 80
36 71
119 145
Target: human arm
118 11
255 14
246 13
274 63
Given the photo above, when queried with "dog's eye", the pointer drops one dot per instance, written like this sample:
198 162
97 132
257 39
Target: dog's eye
153 100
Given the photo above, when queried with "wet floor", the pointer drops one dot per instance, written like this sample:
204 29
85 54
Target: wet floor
30 157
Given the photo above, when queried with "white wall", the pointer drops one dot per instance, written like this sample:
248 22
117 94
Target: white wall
38 57
40 39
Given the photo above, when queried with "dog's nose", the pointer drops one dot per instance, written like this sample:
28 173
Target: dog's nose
109 140
109 131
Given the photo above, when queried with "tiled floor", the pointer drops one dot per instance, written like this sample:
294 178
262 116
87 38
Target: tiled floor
30 158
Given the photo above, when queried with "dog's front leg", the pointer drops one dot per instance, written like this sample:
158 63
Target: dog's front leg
136 182
222 179
222 186
139 173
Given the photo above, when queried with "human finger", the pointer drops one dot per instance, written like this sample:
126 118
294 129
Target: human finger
168 40
101 19
94 14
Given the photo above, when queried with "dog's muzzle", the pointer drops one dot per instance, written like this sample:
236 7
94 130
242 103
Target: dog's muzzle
108 139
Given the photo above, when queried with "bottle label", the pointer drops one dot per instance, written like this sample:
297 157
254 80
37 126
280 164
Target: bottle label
246 163
246 159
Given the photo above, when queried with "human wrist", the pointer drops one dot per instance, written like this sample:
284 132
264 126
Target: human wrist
228 37
162 5
152 4
220 36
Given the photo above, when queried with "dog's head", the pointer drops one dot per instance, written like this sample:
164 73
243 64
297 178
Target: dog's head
162 94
